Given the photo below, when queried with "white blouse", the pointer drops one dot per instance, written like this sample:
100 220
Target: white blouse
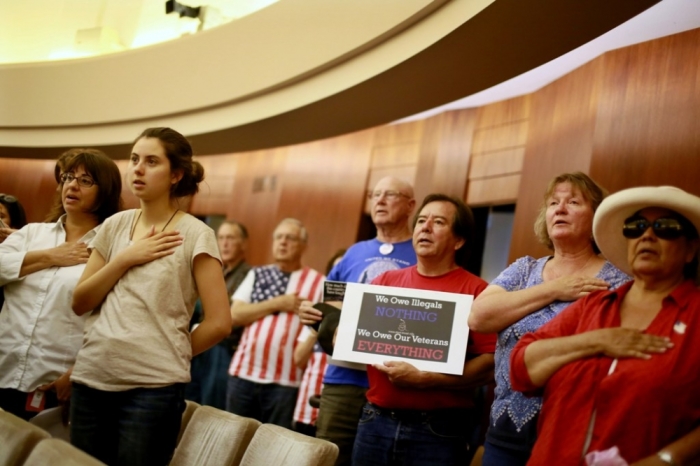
40 334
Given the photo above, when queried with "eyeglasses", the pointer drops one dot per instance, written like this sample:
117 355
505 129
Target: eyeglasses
7 198
290 238
664 228
83 181
389 195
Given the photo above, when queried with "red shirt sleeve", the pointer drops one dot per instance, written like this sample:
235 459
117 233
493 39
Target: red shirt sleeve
480 343
519 376
564 324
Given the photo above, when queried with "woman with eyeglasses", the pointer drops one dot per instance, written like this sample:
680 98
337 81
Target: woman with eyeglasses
146 270
12 216
620 370
529 293
39 267
59 168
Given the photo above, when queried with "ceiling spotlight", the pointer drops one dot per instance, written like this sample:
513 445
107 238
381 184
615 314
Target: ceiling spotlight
183 10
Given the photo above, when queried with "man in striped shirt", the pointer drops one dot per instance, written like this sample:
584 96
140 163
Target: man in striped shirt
264 381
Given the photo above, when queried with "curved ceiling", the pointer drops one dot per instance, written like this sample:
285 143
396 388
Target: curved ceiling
317 80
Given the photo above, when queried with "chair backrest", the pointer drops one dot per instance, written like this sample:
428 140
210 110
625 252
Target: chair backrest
17 439
215 438
58 452
190 408
282 447
52 422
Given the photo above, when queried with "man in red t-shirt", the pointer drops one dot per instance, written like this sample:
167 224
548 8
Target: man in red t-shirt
422 417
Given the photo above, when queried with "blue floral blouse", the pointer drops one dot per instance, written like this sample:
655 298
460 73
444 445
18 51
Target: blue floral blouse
513 415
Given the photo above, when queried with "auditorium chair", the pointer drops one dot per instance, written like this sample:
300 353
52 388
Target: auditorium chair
276 445
17 439
190 408
215 438
56 452
51 420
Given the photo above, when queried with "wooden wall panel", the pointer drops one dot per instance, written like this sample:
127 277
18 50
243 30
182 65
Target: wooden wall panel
498 113
648 127
31 182
503 162
560 139
395 156
395 151
497 153
257 210
216 190
399 134
493 191
324 186
507 135
445 152
405 172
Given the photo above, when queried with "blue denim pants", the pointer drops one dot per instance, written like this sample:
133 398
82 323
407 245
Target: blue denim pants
496 455
406 437
209 372
269 403
136 427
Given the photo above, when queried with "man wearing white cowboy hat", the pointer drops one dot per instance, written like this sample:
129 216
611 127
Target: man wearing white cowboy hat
619 369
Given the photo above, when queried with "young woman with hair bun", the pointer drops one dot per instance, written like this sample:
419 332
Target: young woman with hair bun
145 272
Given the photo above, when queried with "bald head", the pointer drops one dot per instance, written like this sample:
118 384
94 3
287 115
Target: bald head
392 203
398 184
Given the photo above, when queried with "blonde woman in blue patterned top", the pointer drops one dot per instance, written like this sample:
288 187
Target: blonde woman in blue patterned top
529 293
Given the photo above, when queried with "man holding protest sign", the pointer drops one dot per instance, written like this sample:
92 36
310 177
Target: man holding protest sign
417 416
344 388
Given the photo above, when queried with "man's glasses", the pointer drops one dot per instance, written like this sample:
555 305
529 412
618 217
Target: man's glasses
282 236
664 228
389 195
83 181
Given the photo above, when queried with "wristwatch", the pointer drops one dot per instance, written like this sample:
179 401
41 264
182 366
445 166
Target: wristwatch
666 458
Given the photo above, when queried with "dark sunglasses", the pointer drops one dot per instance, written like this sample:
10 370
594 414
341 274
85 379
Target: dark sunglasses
664 228
7 198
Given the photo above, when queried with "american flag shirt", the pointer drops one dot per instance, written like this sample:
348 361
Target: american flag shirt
265 353
311 383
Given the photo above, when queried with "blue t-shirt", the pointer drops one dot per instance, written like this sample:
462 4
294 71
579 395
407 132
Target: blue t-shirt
362 263
513 421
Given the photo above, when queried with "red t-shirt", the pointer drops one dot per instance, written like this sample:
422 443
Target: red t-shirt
385 394
641 407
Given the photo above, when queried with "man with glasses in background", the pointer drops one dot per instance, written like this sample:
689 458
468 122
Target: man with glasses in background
344 387
264 381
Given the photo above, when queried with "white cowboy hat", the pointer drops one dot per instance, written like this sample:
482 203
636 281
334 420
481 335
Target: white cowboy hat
616 208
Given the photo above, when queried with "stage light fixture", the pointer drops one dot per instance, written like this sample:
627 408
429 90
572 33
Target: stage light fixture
183 10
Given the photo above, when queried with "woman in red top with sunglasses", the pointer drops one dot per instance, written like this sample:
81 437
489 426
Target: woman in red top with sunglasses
621 368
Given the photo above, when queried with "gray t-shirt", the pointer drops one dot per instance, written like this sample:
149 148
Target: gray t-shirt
139 336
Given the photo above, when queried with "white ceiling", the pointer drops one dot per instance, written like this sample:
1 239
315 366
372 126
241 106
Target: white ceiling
665 18
41 30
